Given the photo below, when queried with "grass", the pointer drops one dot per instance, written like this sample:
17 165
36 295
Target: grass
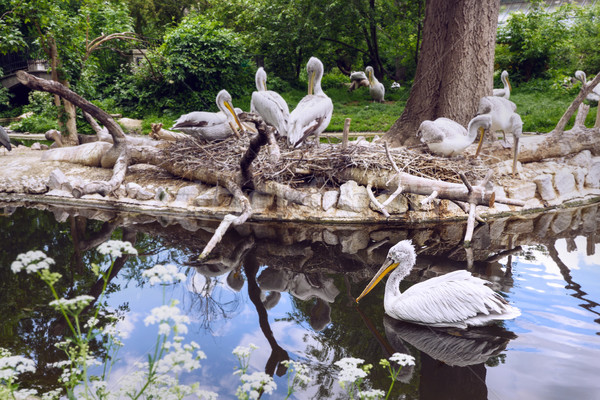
540 106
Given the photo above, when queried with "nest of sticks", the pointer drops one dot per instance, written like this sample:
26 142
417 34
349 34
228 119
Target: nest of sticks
296 167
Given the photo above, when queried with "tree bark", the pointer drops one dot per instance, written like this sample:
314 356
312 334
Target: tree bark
456 65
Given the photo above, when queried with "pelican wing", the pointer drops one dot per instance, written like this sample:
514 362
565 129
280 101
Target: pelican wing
4 138
500 92
272 108
377 91
200 119
456 299
311 116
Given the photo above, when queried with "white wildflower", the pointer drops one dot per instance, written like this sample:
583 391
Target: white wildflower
164 274
24 394
206 395
12 366
254 383
52 395
74 305
402 359
349 369
301 372
116 248
168 314
93 321
372 394
32 261
244 352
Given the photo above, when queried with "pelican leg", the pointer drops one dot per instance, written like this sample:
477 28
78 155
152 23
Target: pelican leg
515 154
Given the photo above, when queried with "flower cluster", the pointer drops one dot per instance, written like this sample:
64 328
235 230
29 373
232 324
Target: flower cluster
32 261
350 371
166 316
402 359
180 357
74 305
301 372
164 274
254 384
11 366
116 248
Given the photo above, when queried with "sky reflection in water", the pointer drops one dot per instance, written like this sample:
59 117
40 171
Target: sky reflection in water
554 356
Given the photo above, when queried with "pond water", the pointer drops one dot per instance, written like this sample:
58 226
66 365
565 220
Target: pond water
290 289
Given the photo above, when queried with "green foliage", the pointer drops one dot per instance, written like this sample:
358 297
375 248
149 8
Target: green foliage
585 34
530 44
334 80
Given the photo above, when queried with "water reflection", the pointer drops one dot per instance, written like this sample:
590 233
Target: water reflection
308 275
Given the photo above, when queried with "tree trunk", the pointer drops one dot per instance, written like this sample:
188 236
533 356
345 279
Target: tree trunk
456 65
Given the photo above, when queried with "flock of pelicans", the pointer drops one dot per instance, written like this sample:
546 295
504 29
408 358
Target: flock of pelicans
457 299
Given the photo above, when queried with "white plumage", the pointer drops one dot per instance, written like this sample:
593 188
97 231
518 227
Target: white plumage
594 95
505 91
269 104
313 112
457 299
211 125
358 79
376 88
448 138
505 119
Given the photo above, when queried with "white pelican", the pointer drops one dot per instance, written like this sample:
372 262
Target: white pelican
376 88
449 138
505 91
4 138
358 79
269 104
594 95
505 119
210 125
457 299
313 113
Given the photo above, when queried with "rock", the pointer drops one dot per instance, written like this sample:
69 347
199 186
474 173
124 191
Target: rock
131 125
330 238
330 198
313 201
59 181
214 196
519 227
522 190
398 206
36 146
583 159
561 222
592 179
355 241
544 187
564 182
135 191
353 197
580 174
260 201
185 195
162 195
506 168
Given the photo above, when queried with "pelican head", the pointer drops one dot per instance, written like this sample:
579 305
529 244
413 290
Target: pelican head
314 68
224 103
504 79
369 71
580 75
402 255
261 79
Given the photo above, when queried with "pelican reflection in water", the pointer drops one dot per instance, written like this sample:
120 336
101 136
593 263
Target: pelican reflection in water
457 299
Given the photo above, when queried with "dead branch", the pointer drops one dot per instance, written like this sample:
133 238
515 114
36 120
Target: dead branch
585 90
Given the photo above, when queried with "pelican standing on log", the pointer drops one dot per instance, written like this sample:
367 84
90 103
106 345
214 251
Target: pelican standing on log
5 139
457 299
210 125
505 91
505 119
313 113
269 104
376 88
449 138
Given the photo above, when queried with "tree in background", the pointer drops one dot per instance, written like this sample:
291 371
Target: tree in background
65 31
456 65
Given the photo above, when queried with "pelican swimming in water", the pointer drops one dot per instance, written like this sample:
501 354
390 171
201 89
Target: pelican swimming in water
449 138
457 299
505 119
211 125
594 95
505 91
269 104
376 88
313 113
4 138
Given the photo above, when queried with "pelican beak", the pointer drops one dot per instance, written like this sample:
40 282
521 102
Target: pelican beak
481 134
264 84
509 85
235 117
311 82
387 266
370 77
515 154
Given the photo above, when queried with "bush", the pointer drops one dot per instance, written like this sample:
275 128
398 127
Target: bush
334 79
